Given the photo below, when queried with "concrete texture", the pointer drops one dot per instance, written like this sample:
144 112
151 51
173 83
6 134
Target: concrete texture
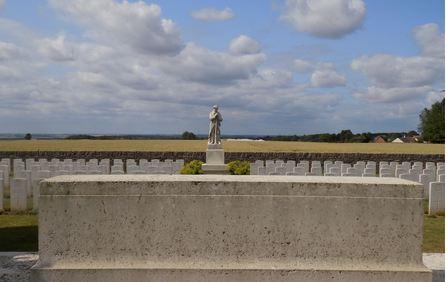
16 266
229 228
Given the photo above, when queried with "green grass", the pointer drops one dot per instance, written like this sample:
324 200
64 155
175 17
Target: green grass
18 232
230 146
434 230
434 234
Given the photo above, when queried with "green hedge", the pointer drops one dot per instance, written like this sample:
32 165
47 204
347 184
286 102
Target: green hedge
193 167
239 167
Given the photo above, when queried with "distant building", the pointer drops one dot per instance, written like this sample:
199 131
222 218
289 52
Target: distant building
412 139
379 139
397 140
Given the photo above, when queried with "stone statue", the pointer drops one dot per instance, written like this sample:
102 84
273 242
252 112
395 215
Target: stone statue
215 120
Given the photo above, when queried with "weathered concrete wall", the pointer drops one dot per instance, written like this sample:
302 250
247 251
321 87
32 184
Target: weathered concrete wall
229 228
229 156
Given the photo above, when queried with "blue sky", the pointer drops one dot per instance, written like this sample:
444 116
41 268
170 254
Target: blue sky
274 67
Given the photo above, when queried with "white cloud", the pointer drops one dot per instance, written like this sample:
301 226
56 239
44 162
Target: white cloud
327 78
430 40
198 64
57 49
395 94
243 45
323 74
396 78
392 71
212 14
8 51
137 25
303 66
323 18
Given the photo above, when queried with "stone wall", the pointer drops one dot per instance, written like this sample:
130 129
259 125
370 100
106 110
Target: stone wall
349 158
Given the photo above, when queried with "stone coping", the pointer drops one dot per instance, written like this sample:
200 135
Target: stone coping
138 185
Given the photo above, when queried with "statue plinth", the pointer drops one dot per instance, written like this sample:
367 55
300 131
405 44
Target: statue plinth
215 160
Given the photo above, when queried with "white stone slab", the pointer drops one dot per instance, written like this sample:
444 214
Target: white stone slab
18 194
436 201
425 180
215 156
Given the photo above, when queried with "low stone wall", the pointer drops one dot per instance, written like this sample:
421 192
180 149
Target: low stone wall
349 158
229 228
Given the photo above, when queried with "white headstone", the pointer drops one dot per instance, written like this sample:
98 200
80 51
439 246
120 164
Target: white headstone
408 176
335 171
254 168
344 168
299 170
18 194
436 201
280 170
425 180
316 170
4 174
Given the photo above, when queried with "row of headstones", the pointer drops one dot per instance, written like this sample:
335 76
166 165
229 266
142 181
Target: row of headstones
432 176
314 168
26 176
93 166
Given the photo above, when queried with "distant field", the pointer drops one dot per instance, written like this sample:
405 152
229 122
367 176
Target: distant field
230 146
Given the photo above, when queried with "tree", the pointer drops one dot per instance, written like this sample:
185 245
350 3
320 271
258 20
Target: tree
188 136
28 136
345 135
412 133
432 123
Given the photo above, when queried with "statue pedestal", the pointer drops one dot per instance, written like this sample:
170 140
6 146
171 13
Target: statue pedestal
215 160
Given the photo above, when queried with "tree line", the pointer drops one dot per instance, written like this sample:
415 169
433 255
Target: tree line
431 128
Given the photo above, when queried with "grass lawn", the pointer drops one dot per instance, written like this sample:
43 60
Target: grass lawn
230 146
19 233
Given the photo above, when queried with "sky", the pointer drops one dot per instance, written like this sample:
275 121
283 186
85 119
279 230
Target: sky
272 66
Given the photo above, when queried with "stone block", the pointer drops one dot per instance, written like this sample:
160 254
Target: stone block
229 228
215 162
215 156
215 169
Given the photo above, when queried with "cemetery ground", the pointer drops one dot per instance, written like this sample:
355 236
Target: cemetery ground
18 231
230 146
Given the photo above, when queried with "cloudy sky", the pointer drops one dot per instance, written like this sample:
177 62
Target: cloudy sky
273 66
